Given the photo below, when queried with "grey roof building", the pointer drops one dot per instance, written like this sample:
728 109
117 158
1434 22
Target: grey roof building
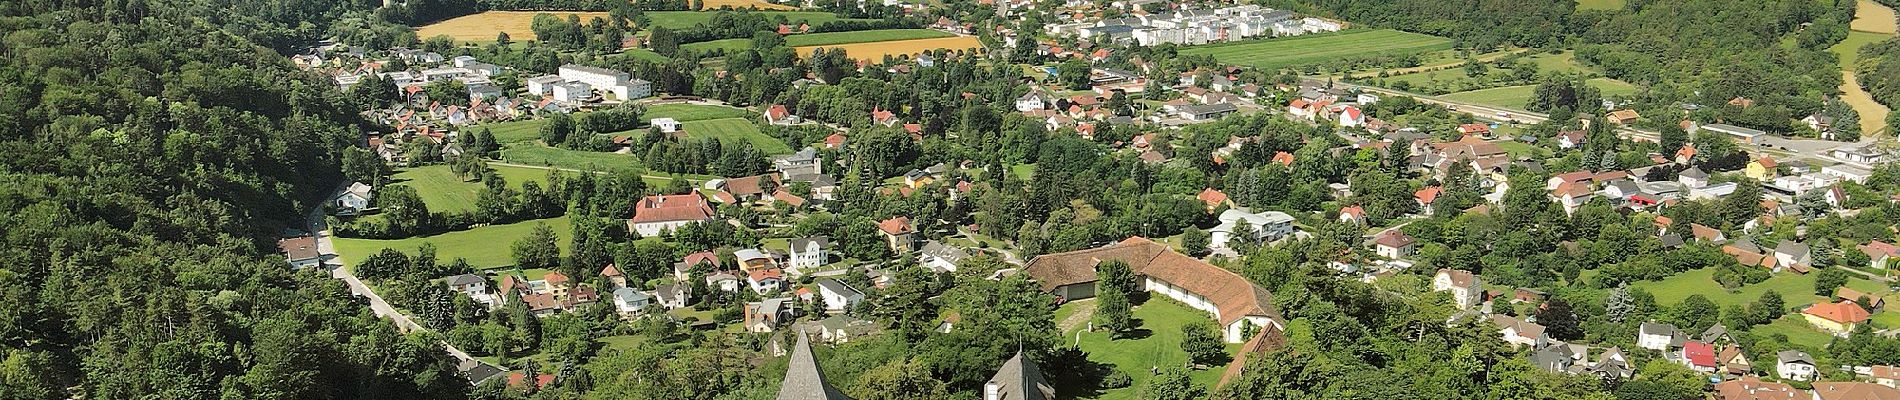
803 380
1018 379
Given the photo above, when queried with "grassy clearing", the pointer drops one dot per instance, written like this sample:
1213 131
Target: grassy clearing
1797 330
1600 4
1521 149
732 130
444 192
692 112
1795 289
825 39
515 131
877 50
646 55
536 154
1023 171
1309 49
1517 96
484 247
688 19
1163 318
483 27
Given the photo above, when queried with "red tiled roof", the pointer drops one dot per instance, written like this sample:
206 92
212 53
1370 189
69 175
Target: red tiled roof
1212 197
1845 312
1698 353
1752 388
895 226
666 208
1428 194
1233 296
1394 239
1284 158
610 270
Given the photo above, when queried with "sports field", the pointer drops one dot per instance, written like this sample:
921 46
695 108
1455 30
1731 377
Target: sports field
484 247
1316 48
687 19
483 27
877 50
732 130
1516 96
444 192
825 39
711 4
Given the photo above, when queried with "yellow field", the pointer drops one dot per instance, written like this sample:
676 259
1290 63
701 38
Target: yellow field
711 4
1873 17
483 27
876 51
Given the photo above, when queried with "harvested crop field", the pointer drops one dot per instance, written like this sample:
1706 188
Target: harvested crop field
1870 16
483 27
1319 48
877 50
712 4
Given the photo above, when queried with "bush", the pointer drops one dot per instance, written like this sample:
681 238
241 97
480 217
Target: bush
1116 379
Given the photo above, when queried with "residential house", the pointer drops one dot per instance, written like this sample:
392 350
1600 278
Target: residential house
1793 255
917 178
1752 388
354 199
1854 391
301 252
751 259
897 233
838 295
657 213
1794 365
1858 297
1698 356
683 269
1864 154
674 296
1393 244
765 280
1213 198
1034 100
1478 130
1355 215
940 257
1235 302
1885 375
474 286
1838 317
1657 336
1204 112
1693 177
1425 196
1706 234
809 253
666 125
613 275
630 302
1519 333
1623 117
1570 139
1760 169
723 281
1732 362
1266 227
1467 289
778 115
1848 173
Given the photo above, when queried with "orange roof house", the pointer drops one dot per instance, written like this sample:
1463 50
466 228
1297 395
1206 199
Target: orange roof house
1213 198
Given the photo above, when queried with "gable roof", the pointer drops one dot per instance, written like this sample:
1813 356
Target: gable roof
666 208
1394 239
1233 296
1845 311
1211 197
1854 391
895 226
803 379
1752 388
1021 379
1699 354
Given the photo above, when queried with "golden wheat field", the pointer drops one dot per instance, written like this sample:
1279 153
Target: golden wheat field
877 50
482 27
1873 17
711 4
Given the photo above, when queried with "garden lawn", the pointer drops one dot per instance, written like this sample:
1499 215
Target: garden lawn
515 131
731 130
1164 318
484 247
1515 97
444 192
1798 331
677 20
1795 289
692 112
646 55
536 154
1023 171
1319 48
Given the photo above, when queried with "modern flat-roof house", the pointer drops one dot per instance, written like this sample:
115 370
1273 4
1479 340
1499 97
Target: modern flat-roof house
1234 301
1267 226
620 83
659 212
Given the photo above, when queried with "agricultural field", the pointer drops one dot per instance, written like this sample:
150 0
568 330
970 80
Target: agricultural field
713 4
444 192
1162 318
688 19
825 39
1871 16
484 247
483 27
1308 49
1516 96
877 50
732 130
1873 115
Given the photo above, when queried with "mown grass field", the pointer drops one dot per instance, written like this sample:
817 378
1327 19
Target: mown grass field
1795 289
713 4
688 19
733 130
1162 318
877 50
483 27
825 39
1516 96
692 112
484 247
444 192
536 154
1308 49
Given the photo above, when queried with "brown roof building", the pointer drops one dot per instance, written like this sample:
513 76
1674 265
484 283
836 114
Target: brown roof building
659 212
1235 302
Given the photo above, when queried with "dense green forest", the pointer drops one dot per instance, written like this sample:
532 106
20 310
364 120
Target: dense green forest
153 152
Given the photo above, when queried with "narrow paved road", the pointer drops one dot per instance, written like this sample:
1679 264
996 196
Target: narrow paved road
334 263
